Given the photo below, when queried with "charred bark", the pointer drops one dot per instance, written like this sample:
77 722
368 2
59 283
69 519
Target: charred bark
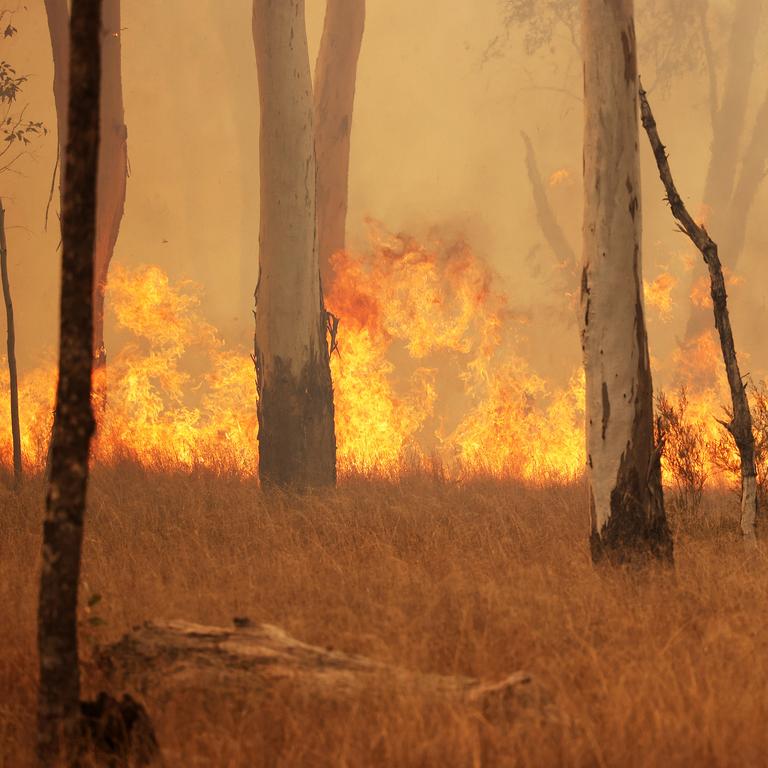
334 97
297 445
740 425
628 520
59 725
13 379
296 448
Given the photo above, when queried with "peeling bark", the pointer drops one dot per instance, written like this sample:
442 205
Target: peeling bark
59 723
740 425
159 660
334 98
13 379
626 500
297 445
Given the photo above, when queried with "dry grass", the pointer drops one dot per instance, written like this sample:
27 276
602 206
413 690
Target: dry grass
650 669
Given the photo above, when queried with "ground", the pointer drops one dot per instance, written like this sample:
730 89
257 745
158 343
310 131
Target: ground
659 668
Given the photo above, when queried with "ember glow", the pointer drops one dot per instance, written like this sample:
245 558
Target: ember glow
426 372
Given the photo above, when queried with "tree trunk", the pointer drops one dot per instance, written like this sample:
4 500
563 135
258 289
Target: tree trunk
297 446
729 117
113 154
548 223
13 381
158 660
113 175
57 13
623 465
335 75
59 691
740 425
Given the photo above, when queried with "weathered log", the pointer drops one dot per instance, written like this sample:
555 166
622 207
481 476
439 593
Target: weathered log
740 424
157 660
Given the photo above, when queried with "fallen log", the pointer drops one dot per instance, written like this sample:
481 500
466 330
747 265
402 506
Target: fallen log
161 659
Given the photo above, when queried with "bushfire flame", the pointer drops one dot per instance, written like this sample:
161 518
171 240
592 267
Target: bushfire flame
426 374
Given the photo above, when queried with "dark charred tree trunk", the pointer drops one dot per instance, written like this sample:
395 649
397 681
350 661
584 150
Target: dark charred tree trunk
113 153
740 425
13 379
628 520
59 693
335 75
297 445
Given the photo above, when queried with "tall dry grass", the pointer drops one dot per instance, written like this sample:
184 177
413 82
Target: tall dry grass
482 578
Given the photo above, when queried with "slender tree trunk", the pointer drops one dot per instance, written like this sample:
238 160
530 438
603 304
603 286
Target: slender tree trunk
113 173
729 118
335 75
623 465
113 154
297 446
548 223
57 12
740 425
59 691
12 374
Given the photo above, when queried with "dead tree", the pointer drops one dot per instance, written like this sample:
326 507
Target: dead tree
623 463
334 97
297 444
740 425
59 722
159 660
13 382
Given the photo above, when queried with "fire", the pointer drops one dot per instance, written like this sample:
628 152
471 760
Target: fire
658 294
560 177
427 373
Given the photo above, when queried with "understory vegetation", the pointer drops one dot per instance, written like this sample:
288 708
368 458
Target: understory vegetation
480 578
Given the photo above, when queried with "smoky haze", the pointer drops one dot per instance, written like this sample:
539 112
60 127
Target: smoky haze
444 90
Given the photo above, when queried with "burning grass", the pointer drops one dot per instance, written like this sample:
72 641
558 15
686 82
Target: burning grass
481 578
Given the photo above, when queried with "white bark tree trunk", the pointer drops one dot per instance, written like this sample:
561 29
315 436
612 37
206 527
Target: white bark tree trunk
297 446
335 75
623 466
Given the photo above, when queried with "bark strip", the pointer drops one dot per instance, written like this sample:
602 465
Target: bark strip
740 425
13 379
59 735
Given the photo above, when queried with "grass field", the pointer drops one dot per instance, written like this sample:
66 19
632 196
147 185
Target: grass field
483 578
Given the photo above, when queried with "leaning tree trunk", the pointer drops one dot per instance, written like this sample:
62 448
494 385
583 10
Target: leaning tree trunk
623 465
113 155
335 75
59 691
740 425
13 379
297 446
